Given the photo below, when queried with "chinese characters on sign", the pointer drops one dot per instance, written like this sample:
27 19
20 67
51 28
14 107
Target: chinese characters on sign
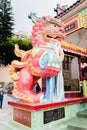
71 26
83 20
53 115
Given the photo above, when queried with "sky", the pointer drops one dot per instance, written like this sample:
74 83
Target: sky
22 8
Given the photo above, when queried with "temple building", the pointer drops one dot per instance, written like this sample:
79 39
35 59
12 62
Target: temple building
75 48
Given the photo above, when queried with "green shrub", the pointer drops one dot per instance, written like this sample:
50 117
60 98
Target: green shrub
7 49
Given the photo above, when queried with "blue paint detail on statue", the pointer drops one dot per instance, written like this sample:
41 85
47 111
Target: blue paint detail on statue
33 17
50 86
54 85
60 87
54 88
44 59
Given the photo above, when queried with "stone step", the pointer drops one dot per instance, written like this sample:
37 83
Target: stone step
77 123
4 127
12 125
82 114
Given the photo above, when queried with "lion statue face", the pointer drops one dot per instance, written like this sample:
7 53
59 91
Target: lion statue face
47 29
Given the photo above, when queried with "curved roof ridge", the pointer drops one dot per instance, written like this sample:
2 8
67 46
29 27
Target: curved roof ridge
73 48
70 8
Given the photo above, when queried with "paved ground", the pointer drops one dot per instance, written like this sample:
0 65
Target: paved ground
6 111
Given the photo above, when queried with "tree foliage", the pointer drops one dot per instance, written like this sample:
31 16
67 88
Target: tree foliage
7 50
6 20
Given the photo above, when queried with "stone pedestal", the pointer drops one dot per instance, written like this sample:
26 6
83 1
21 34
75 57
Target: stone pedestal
50 116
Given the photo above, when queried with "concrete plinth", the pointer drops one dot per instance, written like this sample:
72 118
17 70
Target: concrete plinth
52 116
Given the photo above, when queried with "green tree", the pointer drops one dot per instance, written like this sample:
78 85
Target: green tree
7 50
6 20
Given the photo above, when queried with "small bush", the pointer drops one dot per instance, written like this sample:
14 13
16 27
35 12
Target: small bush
7 49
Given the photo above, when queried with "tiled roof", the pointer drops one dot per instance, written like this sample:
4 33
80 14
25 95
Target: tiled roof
70 8
73 48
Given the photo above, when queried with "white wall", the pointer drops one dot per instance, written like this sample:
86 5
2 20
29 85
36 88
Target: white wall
4 74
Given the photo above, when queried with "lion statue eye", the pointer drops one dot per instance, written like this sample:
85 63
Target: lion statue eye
55 25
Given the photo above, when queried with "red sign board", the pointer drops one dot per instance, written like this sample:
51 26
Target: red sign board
22 116
72 24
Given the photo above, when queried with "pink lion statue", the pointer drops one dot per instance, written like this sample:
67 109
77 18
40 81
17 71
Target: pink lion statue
43 60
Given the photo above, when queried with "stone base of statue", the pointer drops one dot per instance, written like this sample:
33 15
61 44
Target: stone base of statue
47 116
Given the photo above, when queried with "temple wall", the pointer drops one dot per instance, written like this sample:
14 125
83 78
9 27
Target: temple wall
4 74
